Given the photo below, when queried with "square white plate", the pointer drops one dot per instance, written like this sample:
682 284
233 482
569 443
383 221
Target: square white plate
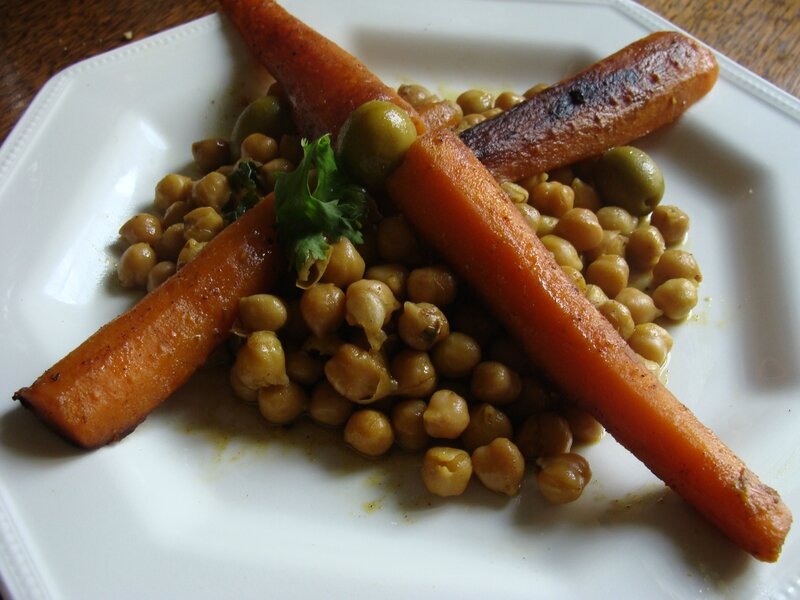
204 501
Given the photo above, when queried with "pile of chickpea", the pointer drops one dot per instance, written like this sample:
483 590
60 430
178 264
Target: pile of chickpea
390 347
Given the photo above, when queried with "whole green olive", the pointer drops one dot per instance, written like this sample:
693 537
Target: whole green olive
373 141
626 176
268 115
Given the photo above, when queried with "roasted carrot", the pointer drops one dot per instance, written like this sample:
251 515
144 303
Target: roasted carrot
323 82
644 86
104 388
455 204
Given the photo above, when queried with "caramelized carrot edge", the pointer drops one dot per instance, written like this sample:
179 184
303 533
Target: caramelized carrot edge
105 387
454 203
640 88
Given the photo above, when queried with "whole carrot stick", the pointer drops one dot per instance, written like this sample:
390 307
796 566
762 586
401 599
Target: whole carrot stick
104 388
644 86
455 204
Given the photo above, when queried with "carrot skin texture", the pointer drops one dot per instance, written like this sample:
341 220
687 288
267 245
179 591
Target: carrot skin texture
104 388
458 208
324 83
636 90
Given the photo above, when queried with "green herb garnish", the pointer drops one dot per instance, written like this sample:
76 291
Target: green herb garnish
246 189
309 221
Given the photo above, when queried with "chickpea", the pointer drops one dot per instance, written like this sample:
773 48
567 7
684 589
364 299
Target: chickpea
259 148
580 227
435 285
211 154
535 397
544 434
609 272
672 222
595 295
651 341
290 148
532 216
676 297
495 383
359 375
613 242
585 195
171 189
414 94
486 423
475 101
369 304
261 361
202 224
213 190
135 264
547 225
552 198
345 264
563 478
563 251
421 325
576 277
189 252
270 171
456 355
508 100
323 307
282 404
175 213
143 227
262 312
241 390
536 89
532 181
499 466
446 416
640 305
397 242
369 432
328 407
616 218
303 368
469 120
393 275
619 316
171 242
446 471
409 425
414 373
325 346
584 427
160 272
516 193
674 264
645 247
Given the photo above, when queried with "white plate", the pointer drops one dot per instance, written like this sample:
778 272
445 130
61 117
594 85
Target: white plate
204 501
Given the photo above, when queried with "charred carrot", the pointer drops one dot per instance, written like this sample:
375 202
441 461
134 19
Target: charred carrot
644 86
455 204
324 83
104 388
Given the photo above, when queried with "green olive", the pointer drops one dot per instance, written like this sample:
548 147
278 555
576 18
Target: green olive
627 177
373 141
268 115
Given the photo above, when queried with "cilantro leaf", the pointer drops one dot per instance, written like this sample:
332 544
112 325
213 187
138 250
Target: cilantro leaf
307 220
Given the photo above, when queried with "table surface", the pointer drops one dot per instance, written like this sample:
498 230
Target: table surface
38 38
